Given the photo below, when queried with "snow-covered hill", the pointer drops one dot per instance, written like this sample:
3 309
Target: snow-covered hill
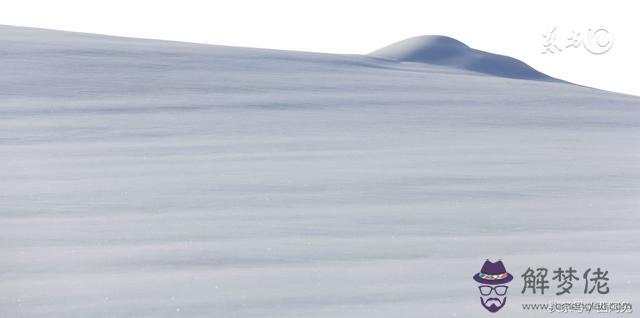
157 179
442 50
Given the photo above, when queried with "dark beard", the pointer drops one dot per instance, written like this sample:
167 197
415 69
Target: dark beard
493 307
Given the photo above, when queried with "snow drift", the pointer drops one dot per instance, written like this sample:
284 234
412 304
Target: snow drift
442 50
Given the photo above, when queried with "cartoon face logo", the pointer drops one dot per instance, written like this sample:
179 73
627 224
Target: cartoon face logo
493 278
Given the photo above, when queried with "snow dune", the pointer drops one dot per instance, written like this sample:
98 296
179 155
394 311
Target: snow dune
160 179
442 50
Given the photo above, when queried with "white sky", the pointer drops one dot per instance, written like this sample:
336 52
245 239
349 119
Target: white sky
340 26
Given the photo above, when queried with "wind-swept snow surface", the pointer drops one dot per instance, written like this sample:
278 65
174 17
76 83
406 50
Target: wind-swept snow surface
159 179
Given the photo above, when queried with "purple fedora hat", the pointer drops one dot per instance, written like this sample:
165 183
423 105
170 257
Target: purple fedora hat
493 274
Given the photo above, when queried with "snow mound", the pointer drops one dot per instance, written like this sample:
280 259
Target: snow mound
443 50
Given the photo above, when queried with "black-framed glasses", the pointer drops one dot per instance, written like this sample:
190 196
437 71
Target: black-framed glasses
499 290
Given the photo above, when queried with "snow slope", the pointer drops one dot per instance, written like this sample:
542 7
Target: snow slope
159 179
